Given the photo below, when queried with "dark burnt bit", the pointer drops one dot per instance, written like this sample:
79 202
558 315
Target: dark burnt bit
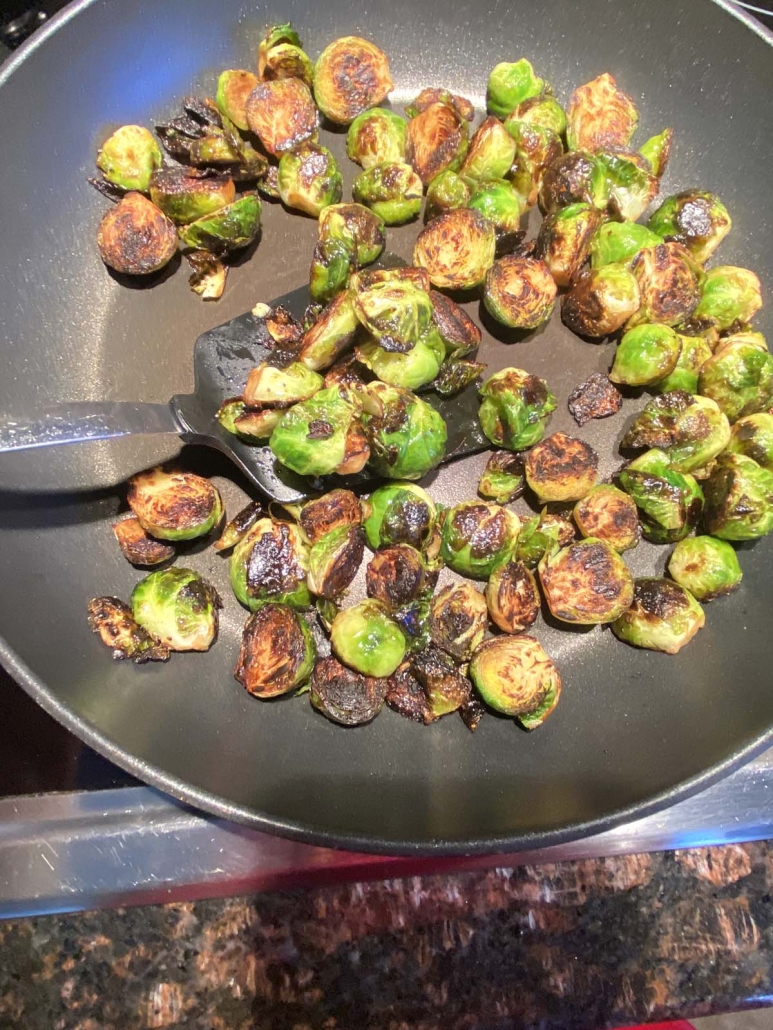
440 679
113 620
481 526
393 419
395 575
471 712
560 456
597 397
273 566
139 547
135 237
405 695
345 696
319 429
658 598
433 139
566 181
273 648
285 331
331 511
200 596
347 371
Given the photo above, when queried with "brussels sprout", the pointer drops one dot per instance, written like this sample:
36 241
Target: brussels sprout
477 538
185 194
287 61
514 676
129 158
285 331
413 620
178 608
586 583
398 575
366 279
309 179
446 192
331 265
600 116
595 398
694 352
275 36
407 697
392 190
233 88
365 638
135 238
268 182
409 370
326 613
600 301
120 631
137 546
376 137
400 513
237 418
573 179
455 376
267 385
436 139
645 355
620 242
670 503
519 292
209 274
491 152
457 249
697 220
239 525
330 335
510 84
606 513
277 652
542 534
334 561
500 203
314 437
269 563
515 408
669 284
458 331
503 478
357 225
432 95
536 149
565 239
408 439
739 376
233 226
632 186
445 688
692 430
656 150
344 696
561 468
282 114
752 436
174 505
543 110
663 617
338 509
512 597
705 566
351 75
728 295
739 499
458 620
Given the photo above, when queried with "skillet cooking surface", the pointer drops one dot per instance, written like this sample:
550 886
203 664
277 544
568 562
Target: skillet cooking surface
634 730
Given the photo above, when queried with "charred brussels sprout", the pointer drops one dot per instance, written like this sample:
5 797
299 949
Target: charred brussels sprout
561 468
519 292
287 61
600 116
692 430
267 385
663 617
543 110
503 478
315 437
509 84
351 75
573 179
366 639
376 137
334 510
413 620
620 242
457 249
739 376
137 546
174 505
436 139
233 87
670 503
492 151
446 690
705 566
586 583
400 513
499 202
330 335
447 192
120 631
129 158
458 331
669 283
398 575
135 237
752 436
739 499
393 190
514 409
269 563
564 240
695 219
237 418
185 194
409 370
600 301
645 355
458 620
606 513
345 696
728 295
656 150
282 114
178 608
334 561
542 534
432 95
331 265
632 186
408 438
357 225
277 652
309 179
276 35
512 597
396 313
232 227
597 397
694 352
536 149
239 525
477 538
514 676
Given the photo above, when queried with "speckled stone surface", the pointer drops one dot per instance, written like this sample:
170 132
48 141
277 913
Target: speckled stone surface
585 945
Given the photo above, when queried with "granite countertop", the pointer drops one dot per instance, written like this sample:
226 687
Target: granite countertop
587 944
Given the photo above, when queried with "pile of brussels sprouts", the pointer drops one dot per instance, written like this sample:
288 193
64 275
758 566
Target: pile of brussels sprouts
338 394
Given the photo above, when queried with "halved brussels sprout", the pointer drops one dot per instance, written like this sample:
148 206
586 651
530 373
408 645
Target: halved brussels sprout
656 150
409 370
565 239
458 620
376 137
282 114
503 478
458 331
697 220
267 385
331 266
620 242
477 538
433 95
600 115
357 225
646 354
365 638
543 110
398 575
457 249
512 597
406 696
129 158
120 631
586 583
135 237
185 194
728 295
600 301
573 179
400 513
542 534
752 436
345 696
330 335
178 608
509 84
537 148
277 652
248 425
269 563
632 186
287 61
514 676
334 510
239 525
334 561
139 547
408 438
739 376
501 204
174 505
445 688
275 36
209 274
669 283
705 566
413 620
314 437
692 430
309 179
606 513
455 376
561 468
519 292
393 190
351 75
597 397
233 87
232 227
491 152
663 617
694 352
447 192
514 409
436 139
670 503
739 499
